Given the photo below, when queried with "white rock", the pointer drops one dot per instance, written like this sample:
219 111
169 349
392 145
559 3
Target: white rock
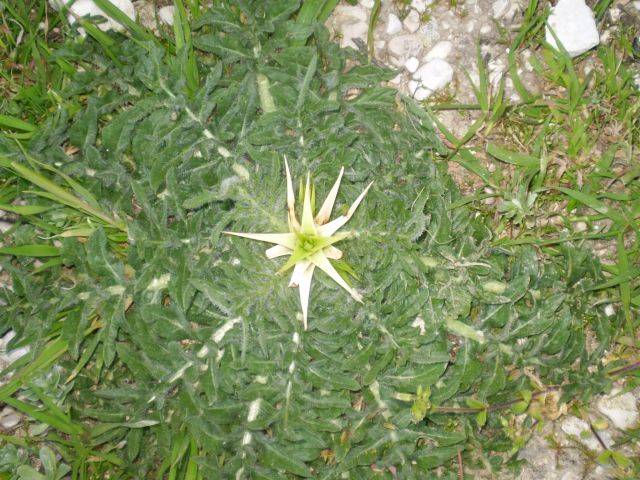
354 31
622 410
412 21
349 14
412 64
485 29
350 23
166 14
4 226
434 75
396 80
440 50
405 46
420 5
413 86
580 429
637 5
575 25
394 25
500 8
422 94
82 8
10 421
367 3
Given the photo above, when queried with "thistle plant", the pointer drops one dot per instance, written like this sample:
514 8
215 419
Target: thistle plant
309 242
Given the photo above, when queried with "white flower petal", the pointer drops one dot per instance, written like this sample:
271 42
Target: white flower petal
291 201
298 271
278 251
287 240
325 211
320 260
333 253
305 289
333 226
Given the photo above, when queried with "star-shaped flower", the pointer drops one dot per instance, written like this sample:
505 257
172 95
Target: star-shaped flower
310 241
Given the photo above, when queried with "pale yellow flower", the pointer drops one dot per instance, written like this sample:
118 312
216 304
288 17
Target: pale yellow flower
309 242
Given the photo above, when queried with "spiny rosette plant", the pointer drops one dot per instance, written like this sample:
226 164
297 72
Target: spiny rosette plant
176 351
309 242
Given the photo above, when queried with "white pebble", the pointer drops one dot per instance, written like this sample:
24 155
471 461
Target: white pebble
422 94
396 80
412 21
367 3
353 31
82 8
575 25
394 25
434 75
500 8
421 5
405 46
10 421
621 409
166 14
412 64
440 50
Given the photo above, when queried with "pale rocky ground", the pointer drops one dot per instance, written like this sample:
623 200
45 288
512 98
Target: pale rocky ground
432 45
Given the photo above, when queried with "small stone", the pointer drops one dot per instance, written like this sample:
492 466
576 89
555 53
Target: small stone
353 31
396 80
394 25
348 13
440 50
434 75
500 8
622 409
166 14
422 94
367 3
405 46
485 29
412 21
82 8
636 5
420 5
575 26
412 64
10 421
579 429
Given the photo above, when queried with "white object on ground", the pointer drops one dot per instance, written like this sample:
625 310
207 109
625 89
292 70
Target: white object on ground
394 25
166 14
434 75
367 3
412 64
350 22
500 8
82 8
622 410
421 5
405 46
440 50
412 21
422 94
575 26
582 432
